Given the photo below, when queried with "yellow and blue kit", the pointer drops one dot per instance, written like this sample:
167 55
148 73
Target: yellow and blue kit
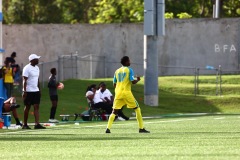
123 78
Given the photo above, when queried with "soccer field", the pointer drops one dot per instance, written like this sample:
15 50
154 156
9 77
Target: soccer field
195 137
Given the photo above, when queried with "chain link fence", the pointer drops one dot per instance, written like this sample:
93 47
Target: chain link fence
91 66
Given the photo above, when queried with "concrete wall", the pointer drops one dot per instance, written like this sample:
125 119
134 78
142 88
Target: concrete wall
201 42
188 43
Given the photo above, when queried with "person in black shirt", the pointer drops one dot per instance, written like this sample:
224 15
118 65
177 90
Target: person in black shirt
52 85
12 58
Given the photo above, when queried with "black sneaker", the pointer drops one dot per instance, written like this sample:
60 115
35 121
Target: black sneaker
126 118
14 106
19 124
108 130
143 131
39 126
25 127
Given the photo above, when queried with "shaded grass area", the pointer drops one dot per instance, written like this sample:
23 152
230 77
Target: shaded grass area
202 137
176 95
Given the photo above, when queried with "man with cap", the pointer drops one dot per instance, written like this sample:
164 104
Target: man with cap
31 90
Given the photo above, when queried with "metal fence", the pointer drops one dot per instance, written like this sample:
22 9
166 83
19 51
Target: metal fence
92 66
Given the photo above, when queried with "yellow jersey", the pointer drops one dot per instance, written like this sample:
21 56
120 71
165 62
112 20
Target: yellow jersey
8 76
123 78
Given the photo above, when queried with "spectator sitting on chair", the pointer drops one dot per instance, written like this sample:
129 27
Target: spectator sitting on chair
93 96
107 96
10 106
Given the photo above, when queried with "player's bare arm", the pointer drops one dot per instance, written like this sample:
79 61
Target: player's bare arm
39 86
136 80
24 87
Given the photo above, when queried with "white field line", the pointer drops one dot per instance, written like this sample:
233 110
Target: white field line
93 126
219 118
124 124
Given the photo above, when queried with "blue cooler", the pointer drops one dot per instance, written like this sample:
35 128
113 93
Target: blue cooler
7 120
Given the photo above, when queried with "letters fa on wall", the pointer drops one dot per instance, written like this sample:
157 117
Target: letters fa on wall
225 48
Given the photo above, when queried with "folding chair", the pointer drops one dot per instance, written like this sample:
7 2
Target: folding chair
95 114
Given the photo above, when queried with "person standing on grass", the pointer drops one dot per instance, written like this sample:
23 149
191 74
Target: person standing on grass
52 85
123 79
8 74
31 90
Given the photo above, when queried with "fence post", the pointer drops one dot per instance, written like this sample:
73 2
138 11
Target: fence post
220 80
195 81
91 66
60 68
77 67
105 66
217 82
42 75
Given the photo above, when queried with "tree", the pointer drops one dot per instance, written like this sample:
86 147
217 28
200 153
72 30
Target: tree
230 8
46 11
120 11
30 11
107 11
75 11
196 8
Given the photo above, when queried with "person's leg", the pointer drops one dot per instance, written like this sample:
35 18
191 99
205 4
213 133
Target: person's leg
54 101
15 115
7 108
26 112
117 105
8 101
27 102
121 114
10 89
106 107
53 110
132 103
7 86
36 113
12 100
36 102
111 119
139 117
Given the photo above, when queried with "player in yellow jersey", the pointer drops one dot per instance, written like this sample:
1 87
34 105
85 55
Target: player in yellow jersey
123 79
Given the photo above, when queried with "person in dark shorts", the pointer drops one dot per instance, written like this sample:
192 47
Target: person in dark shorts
31 91
52 85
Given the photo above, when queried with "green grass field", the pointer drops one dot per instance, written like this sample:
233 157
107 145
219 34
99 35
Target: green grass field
193 137
176 95
175 134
